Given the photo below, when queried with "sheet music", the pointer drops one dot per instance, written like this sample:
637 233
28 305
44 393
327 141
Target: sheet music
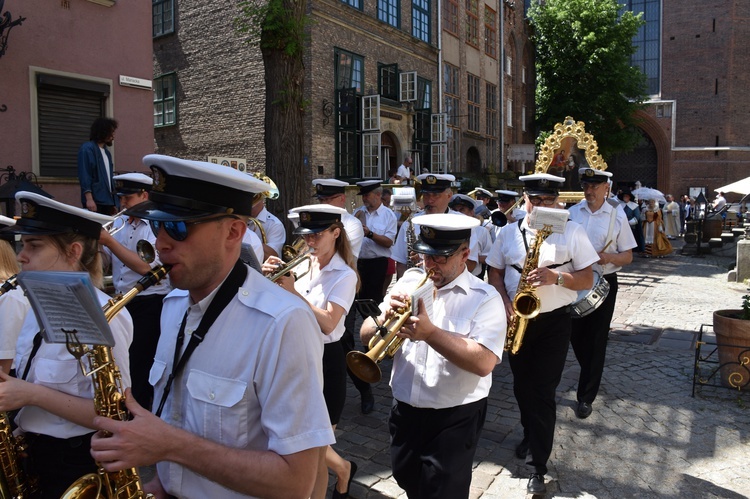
66 301
426 293
541 216
407 285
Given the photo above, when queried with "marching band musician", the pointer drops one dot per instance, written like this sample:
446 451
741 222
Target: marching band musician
54 397
608 230
331 191
272 227
380 226
329 288
121 249
436 195
237 374
442 374
564 267
13 304
465 205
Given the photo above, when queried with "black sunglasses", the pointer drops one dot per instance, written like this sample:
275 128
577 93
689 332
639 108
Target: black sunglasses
178 230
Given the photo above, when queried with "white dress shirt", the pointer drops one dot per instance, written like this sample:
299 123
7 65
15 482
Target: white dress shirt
382 222
596 226
354 232
54 367
484 242
255 243
572 248
255 382
468 308
274 229
14 306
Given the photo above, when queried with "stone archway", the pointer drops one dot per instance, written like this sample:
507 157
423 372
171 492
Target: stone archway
473 161
390 152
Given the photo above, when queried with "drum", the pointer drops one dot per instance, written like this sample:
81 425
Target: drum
590 299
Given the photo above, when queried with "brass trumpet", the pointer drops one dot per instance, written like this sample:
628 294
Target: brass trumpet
294 255
500 218
365 365
115 225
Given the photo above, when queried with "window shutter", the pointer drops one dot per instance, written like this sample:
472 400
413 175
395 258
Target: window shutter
407 86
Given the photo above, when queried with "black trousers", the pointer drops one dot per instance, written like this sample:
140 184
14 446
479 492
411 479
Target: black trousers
372 274
58 462
537 369
146 314
432 450
589 336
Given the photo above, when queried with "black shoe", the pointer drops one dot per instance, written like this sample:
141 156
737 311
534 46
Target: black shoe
536 484
368 403
343 495
584 410
522 449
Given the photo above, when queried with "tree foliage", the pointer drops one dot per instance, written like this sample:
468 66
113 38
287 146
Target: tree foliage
583 50
278 28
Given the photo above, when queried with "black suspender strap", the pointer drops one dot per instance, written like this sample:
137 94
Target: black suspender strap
526 246
34 349
226 292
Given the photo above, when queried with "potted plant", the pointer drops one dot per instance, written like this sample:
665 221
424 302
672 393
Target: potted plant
732 330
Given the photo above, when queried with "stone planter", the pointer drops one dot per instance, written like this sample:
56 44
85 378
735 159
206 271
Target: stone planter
733 344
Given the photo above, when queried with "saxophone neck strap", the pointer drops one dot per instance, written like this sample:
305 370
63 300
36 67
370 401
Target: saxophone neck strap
226 292
34 349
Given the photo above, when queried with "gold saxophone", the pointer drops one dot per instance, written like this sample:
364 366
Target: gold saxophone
411 238
109 401
14 482
526 304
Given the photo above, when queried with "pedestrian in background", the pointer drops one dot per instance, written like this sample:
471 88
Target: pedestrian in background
96 169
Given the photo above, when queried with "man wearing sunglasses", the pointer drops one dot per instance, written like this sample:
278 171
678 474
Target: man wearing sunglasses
121 249
237 375
563 269
442 373
607 228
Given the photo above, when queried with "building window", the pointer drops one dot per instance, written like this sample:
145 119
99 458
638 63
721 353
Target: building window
162 16
451 94
389 12
388 81
647 41
450 17
420 20
508 65
349 70
509 113
523 74
357 4
348 133
165 103
454 148
472 96
664 110
491 109
472 23
66 109
424 94
523 119
490 32
491 152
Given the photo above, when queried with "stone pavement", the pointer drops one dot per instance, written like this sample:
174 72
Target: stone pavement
647 437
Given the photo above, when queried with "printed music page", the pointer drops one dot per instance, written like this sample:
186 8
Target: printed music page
541 216
426 293
66 301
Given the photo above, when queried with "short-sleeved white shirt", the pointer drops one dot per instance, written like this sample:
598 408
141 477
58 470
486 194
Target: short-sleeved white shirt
421 377
274 229
484 242
123 277
354 232
335 283
399 252
54 367
255 382
382 222
255 243
403 172
572 248
14 306
597 224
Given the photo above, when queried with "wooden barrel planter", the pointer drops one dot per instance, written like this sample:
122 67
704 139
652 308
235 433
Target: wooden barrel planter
733 345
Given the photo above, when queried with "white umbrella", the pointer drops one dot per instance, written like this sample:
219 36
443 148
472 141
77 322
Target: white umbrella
740 187
648 193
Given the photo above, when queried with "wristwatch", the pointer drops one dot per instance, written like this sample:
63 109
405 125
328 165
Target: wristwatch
369 235
560 279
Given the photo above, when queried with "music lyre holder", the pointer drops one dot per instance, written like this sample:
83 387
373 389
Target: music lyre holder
368 307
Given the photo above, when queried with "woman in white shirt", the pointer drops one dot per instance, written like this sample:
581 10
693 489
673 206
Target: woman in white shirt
54 397
329 288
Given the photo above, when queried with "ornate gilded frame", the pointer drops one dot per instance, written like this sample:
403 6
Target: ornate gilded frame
569 137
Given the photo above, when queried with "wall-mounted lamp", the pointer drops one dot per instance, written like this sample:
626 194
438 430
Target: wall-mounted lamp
6 24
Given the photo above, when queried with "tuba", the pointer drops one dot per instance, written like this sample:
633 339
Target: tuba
526 304
385 343
109 400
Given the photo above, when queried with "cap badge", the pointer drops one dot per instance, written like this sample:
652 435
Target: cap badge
28 210
431 179
319 188
160 181
305 216
543 182
589 173
427 232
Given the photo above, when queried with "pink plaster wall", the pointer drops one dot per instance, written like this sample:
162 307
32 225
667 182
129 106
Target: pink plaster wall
85 39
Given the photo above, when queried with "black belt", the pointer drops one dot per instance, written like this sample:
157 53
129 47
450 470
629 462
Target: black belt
558 311
48 442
